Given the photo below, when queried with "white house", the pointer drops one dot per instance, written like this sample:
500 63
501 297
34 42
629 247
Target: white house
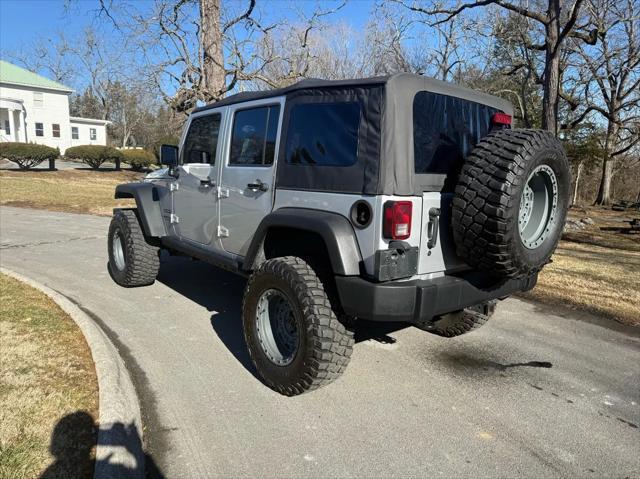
35 109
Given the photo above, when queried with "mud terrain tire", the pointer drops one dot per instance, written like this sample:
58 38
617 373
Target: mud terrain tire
323 344
132 261
511 201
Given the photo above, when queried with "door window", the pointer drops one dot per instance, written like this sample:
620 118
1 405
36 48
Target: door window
202 140
253 142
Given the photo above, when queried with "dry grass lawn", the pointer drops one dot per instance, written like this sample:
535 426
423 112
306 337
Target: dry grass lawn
74 191
47 375
594 269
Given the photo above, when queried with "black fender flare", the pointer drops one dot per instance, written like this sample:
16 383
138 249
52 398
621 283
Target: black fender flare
149 211
335 230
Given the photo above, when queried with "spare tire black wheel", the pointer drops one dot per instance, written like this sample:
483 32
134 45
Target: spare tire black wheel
511 201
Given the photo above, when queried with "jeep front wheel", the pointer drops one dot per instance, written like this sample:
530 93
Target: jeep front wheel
293 336
132 261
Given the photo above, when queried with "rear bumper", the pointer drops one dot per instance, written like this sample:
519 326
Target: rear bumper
422 300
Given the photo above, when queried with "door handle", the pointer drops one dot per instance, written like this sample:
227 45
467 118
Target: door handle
207 183
432 227
258 186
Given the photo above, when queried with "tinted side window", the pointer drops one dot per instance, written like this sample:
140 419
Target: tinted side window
253 141
323 134
445 129
202 140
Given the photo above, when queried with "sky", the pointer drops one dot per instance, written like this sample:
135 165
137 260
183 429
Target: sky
47 17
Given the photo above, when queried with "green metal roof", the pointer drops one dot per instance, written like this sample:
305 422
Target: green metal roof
15 75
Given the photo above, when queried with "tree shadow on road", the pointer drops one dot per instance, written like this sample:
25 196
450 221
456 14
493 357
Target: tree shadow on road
122 455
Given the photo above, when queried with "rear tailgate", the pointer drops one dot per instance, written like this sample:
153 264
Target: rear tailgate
441 256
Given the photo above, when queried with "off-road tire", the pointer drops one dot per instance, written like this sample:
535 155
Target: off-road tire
141 260
486 204
325 346
460 322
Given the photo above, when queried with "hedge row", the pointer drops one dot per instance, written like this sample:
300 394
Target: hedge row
139 159
27 155
93 155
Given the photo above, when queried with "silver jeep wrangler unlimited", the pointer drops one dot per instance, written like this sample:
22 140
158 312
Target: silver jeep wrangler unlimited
397 198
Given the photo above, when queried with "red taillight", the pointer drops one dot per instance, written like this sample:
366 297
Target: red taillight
397 220
501 119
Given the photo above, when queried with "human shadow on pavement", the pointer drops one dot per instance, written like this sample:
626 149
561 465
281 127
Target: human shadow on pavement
219 291
73 438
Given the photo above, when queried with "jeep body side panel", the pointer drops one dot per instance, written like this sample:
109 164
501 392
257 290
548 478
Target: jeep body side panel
147 201
369 238
335 230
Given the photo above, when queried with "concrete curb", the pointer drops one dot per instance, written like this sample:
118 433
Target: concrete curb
119 453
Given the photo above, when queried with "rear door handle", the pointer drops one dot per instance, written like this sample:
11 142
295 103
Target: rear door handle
207 183
433 227
258 186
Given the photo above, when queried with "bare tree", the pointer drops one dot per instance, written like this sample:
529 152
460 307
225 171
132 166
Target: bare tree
47 56
199 50
558 20
611 73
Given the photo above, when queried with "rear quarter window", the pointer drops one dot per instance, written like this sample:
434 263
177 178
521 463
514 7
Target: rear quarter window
323 134
445 129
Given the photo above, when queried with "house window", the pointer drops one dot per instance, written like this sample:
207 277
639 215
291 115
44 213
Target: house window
39 129
93 135
75 135
7 127
38 99
55 129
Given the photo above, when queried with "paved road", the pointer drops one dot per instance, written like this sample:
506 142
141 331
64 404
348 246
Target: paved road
531 394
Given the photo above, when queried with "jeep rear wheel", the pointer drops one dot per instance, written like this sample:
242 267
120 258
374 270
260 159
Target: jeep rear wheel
511 202
132 261
293 336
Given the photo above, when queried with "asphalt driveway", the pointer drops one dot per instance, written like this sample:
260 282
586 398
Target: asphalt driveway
534 393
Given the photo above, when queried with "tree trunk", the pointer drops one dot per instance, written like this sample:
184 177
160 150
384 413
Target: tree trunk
604 191
551 85
575 188
213 79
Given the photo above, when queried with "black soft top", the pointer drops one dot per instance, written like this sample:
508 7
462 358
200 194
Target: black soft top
386 146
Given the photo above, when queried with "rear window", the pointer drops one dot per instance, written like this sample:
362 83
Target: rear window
445 129
323 134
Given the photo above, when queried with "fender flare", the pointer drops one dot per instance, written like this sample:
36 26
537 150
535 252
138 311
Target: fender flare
335 230
149 211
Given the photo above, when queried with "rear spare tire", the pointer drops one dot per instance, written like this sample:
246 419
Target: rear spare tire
511 202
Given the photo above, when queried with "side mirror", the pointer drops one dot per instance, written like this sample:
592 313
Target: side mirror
169 155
